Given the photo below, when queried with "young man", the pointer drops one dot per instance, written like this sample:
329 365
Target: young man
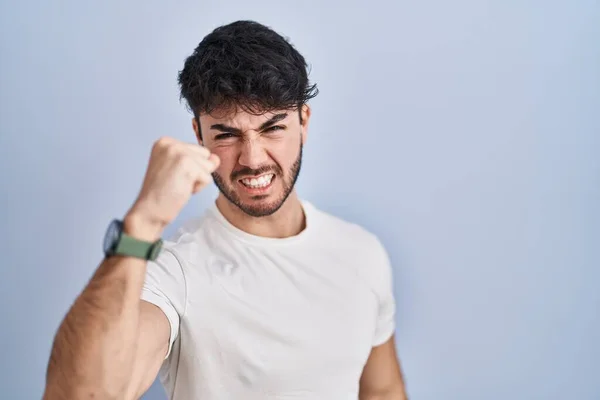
264 296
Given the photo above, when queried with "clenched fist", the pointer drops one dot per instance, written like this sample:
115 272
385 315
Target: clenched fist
176 170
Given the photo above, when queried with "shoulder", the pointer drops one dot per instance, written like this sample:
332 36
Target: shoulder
359 246
348 234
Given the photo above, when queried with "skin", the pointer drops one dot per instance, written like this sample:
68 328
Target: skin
247 150
111 343
381 378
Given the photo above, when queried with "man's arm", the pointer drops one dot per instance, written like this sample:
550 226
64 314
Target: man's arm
110 344
382 377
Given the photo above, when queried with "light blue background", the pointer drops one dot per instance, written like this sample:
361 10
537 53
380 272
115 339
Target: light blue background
465 134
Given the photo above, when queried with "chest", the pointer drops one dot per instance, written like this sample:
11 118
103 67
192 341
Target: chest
280 321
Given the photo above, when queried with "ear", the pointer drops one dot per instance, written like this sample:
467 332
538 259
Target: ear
197 130
305 113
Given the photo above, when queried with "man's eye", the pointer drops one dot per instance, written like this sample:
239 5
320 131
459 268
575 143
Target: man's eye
274 128
222 136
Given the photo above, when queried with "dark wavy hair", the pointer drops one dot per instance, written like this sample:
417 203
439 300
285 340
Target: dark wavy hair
248 65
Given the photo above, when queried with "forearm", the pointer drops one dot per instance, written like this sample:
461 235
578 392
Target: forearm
94 348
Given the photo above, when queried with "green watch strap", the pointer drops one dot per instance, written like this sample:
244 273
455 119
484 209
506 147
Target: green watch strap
129 246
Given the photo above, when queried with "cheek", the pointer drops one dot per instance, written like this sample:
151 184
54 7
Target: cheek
227 161
285 152
288 158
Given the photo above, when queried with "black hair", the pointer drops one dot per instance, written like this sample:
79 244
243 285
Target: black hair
247 65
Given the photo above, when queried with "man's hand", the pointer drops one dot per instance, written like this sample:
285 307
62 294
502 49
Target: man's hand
103 347
176 170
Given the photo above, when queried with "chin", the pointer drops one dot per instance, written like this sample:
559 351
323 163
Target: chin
259 204
259 208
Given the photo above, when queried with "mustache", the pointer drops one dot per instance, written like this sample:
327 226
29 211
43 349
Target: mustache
249 172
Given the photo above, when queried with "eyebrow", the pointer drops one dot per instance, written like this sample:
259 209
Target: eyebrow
272 121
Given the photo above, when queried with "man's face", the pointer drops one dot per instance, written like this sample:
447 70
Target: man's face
260 156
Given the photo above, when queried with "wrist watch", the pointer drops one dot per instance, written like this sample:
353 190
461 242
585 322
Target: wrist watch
117 242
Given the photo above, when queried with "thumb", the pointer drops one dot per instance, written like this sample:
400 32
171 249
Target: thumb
215 160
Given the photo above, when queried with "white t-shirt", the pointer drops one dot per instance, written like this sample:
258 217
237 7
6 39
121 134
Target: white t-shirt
263 318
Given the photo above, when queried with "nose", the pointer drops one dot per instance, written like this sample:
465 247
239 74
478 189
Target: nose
253 155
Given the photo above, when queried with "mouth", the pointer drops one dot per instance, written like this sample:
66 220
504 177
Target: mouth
258 184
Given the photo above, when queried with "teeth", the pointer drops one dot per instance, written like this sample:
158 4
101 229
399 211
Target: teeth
262 181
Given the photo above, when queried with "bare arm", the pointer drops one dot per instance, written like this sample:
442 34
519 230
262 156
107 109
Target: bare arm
382 378
110 342
150 352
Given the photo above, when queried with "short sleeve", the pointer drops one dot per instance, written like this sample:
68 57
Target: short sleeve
386 324
165 287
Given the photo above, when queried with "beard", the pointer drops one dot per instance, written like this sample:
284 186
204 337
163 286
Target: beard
264 209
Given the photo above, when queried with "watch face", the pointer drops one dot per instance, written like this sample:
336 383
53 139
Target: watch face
112 236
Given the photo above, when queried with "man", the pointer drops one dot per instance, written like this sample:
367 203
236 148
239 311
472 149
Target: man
264 296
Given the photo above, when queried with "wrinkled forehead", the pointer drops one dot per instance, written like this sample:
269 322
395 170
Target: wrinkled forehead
237 117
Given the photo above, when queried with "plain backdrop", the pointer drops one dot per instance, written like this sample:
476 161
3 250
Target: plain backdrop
465 134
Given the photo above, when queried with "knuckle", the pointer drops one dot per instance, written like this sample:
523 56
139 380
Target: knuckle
163 146
162 142
182 159
175 151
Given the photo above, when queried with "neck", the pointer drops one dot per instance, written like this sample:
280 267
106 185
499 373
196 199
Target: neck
288 221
